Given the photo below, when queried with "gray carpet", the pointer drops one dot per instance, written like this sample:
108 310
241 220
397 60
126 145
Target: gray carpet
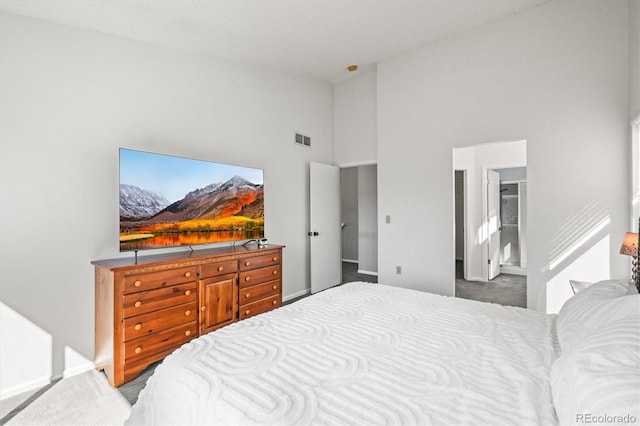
131 390
83 399
505 289
350 274
27 401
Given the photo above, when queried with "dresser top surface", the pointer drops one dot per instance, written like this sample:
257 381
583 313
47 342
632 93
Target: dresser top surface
127 262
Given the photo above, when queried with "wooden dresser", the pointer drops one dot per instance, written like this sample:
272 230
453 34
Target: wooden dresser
145 310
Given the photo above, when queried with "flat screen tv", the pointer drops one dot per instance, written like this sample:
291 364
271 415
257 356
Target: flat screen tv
168 201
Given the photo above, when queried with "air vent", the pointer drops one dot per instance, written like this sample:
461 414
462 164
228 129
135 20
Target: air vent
303 140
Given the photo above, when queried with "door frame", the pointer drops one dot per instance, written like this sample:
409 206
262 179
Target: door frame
485 221
475 159
465 264
520 269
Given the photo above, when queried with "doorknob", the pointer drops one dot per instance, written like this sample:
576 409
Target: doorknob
312 234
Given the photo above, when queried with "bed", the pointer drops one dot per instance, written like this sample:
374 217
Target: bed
366 353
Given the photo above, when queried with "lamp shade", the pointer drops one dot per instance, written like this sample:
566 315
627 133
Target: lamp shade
630 244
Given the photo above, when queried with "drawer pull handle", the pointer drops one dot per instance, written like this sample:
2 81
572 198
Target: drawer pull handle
138 349
187 274
275 272
204 308
187 313
247 312
247 278
137 304
248 295
137 283
187 333
275 258
247 263
138 327
275 287
275 302
220 268
188 292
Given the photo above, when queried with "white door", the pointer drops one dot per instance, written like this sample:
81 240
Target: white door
493 222
324 208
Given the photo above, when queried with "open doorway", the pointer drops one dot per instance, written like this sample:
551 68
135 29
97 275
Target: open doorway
513 220
459 186
359 210
490 222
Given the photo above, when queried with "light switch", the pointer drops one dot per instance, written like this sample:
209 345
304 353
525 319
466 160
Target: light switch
387 219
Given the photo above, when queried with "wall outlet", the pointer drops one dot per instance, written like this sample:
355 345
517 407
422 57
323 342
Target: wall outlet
387 219
399 270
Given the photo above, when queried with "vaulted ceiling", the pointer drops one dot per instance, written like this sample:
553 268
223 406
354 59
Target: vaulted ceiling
313 38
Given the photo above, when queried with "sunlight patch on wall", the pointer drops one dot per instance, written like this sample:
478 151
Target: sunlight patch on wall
597 228
578 229
74 363
506 252
482 234
591 265
580 251
23 343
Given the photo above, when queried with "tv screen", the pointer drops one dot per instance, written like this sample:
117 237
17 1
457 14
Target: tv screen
168 201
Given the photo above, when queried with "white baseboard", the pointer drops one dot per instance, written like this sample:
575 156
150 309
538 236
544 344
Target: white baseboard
362 271
513 270
31 385
78 369
349 260
474 279
296 295
41 382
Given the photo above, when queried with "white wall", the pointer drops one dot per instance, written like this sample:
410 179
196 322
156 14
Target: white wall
475 161
69 99
355 120
556 76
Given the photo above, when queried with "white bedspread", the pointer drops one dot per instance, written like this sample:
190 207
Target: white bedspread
362 354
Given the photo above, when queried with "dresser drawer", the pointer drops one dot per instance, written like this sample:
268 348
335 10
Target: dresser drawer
260 306
159 342
152 300
257 276
257 292
259 261
218 268
143 325
142 282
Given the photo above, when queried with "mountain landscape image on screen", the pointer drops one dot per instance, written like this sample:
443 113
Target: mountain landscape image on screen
222 211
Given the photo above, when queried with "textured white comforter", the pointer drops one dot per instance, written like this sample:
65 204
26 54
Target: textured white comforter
362 354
